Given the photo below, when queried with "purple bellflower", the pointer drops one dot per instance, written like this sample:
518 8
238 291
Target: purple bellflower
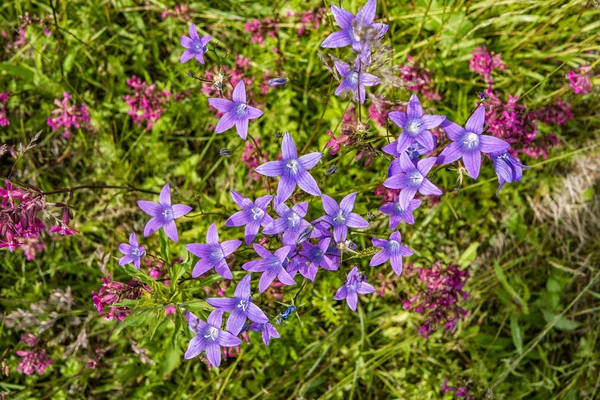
398 214
291 223
393 250
317 257
508 168
415 126
292 169
354 81
253 215
240 307
356 30
414 151
163 214
341 216
268 331
271 266
213 253
469 143
209 337
355 284
237 112
412 179
132 252
195 46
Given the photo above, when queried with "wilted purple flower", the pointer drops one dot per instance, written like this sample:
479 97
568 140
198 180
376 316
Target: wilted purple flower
292 169
132 252
316 256
213 253
393 250
508 168
341 216
469 142
253 215
291 223
398 214
268 331
355 29
415 126
195 45
209 337
163 214
278 82
240 307
353 80
271 266
412 179
237 112
355 284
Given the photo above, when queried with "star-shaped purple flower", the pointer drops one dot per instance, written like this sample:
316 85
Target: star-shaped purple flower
237 112
508 168
213 253
355 284
291 223
253 215
393 250
209 337
415 126
317 257
412 179
356 30
354 81
469 143
195 46
132 252
398 214
268 331
271 265
292 169
240 306
163 214
341 216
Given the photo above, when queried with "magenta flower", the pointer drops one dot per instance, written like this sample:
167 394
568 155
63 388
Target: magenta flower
469 142
240 306
268 331
580 82
355 284
291 223
132 252
293 170
237 112
415 126
253 215
393 250
271 265
353 80
398 214
341 217
483 63
213 253
412 179
163 214
195 46
68 116
3 108
209 337
146 104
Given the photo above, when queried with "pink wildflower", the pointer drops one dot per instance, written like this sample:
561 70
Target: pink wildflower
3 108
483 63
418 79
580 81
68 117
147 105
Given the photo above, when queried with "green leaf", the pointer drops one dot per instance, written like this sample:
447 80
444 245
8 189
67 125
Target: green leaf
469 254
513 293
170 360
68 61
562 324
515 329
164 246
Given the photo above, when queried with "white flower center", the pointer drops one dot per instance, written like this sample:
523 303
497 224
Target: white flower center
216 254
353 78
414 127
339 218
257 213
199 48
167 214
243 304
470 140
293 219
212 333
293 165
393 245
240 109
416 178
136 252
398 207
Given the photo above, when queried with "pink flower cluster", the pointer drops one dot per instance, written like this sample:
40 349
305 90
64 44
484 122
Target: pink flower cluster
261 28
181 12
21 40
458 391
147 105
113 292
309 20
67 117
440 297
34 360
580 81
217 78
253 157
3 108
418 79
483 63
516 124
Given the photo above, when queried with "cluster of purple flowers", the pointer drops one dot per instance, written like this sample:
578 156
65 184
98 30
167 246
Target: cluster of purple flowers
579 81
146 104
113 292
26 20
181 12
459 392
3 108
483 63
260 29
67 117
35 359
